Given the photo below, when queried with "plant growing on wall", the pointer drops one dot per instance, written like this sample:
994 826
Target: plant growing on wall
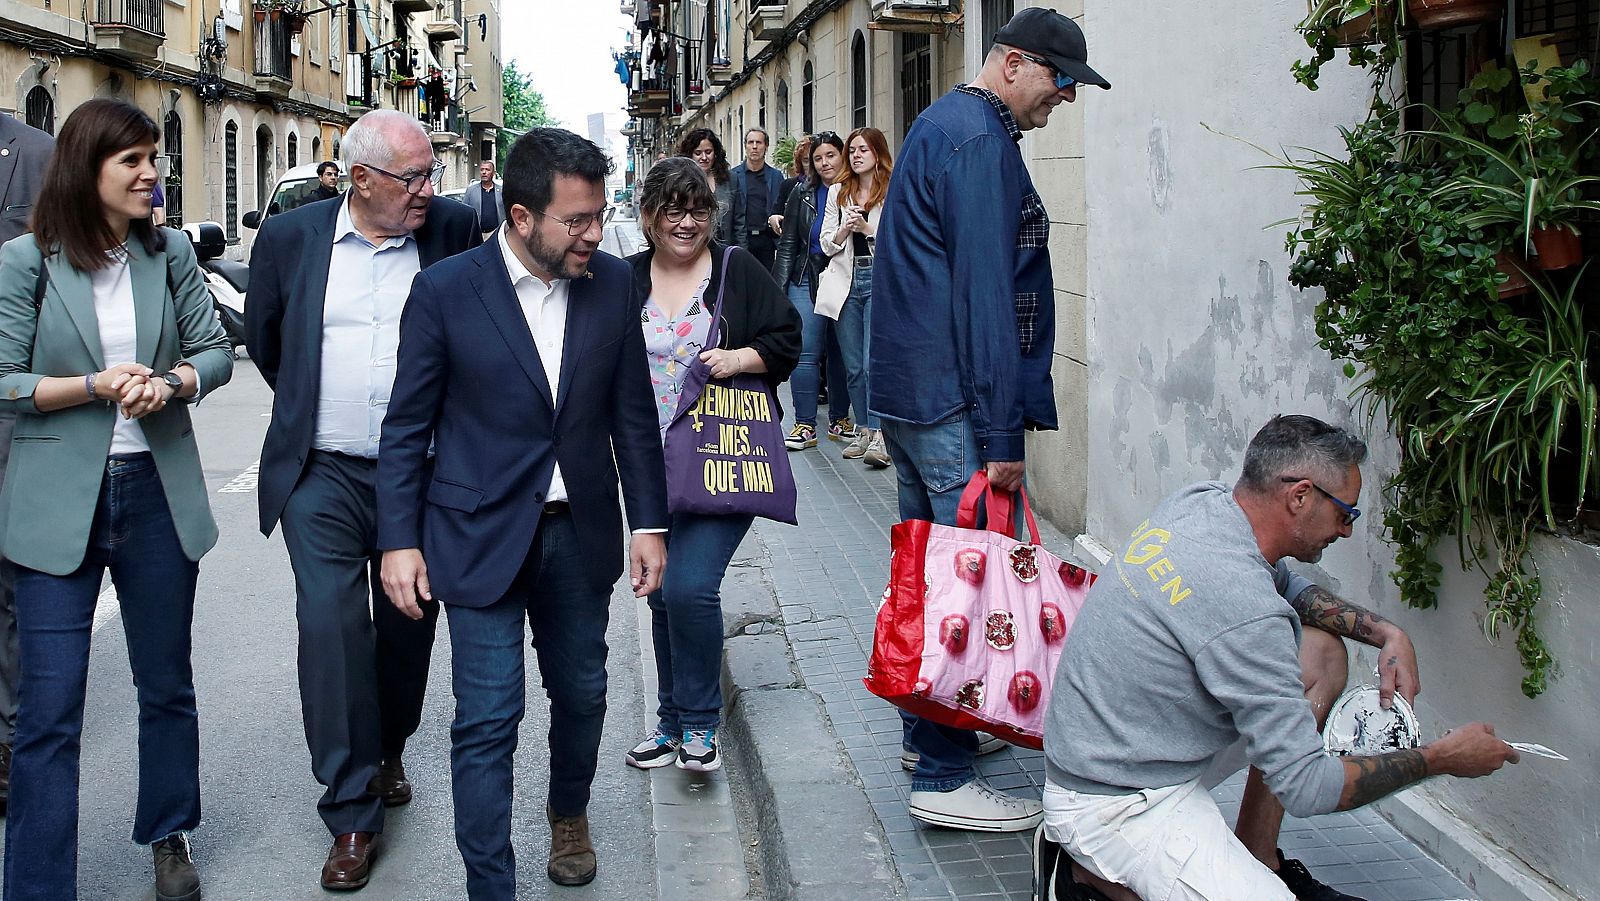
1415 237
1369 29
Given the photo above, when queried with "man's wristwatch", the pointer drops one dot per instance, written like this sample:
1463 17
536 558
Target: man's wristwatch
174 381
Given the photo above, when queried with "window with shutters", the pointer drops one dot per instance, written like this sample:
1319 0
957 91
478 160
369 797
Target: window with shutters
172 146
41 109
916 77
858 81
230 191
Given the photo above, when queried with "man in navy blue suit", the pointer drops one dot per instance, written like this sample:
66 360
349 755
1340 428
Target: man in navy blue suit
522 364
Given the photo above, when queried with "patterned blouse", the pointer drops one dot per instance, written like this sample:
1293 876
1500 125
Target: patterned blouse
671 344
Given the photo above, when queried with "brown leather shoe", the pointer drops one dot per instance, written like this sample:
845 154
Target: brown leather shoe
391 784
571 852
350 861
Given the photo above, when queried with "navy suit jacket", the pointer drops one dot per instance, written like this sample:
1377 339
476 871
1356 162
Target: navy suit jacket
470 383
283 324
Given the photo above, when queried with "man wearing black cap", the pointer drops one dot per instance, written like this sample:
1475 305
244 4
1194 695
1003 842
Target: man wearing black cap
963 330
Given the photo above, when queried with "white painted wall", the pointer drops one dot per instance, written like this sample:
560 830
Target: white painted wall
1194 338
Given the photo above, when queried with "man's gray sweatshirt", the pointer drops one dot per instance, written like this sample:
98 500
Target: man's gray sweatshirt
1183 647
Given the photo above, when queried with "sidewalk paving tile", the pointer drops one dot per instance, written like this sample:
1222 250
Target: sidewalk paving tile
828 575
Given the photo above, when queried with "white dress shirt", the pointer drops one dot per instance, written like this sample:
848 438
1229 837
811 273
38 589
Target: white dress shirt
367 289
114 317
544 306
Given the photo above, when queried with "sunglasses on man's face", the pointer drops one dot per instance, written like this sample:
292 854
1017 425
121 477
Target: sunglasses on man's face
1063 80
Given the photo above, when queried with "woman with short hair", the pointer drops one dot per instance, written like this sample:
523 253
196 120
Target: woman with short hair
677 280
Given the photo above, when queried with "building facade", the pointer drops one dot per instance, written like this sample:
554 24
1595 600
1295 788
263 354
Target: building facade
805 66
246 89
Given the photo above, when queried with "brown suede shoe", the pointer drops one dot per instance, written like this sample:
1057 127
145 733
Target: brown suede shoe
391 784
350 861
571 852
176 878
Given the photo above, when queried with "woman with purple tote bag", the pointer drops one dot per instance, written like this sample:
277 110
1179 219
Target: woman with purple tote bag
710 314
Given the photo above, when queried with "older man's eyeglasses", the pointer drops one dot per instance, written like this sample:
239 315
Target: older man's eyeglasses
577 225
415 181
1351 514
1063 80
675 214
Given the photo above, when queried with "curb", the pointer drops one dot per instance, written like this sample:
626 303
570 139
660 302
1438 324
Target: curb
819 839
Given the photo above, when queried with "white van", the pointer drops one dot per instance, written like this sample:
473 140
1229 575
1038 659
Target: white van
295 188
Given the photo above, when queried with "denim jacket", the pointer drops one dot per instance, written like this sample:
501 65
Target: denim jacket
963 311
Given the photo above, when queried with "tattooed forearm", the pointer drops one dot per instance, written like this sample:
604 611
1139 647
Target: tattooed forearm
1322 609
1368 778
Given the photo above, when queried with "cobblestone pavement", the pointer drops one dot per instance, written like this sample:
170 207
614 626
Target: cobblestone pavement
827 575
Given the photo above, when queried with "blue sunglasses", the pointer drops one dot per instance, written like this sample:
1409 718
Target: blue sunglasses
1063 80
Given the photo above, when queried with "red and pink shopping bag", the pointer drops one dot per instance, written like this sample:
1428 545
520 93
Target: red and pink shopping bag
973 620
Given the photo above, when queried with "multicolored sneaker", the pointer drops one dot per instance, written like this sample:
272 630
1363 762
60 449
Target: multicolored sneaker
801 437
657 749
699 751
842 430
858 448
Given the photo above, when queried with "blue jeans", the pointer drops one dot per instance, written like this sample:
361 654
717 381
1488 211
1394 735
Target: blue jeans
686 620
133 536
567 616
932 465
817 348
855 341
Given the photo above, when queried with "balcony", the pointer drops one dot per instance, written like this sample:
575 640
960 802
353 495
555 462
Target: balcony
131 29
914 16
721 72
444 28
274 64
413 6
629 9
766 19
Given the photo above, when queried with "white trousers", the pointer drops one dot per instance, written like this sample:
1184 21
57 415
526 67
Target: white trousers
1166 844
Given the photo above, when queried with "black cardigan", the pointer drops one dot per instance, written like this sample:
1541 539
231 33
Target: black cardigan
755 312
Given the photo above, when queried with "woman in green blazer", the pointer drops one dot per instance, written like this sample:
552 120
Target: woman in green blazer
106 335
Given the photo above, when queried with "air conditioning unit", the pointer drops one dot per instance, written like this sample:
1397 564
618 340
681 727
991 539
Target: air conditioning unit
917 5
925 16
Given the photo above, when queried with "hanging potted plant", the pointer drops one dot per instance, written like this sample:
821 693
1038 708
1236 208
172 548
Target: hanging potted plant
1431 15
1367 28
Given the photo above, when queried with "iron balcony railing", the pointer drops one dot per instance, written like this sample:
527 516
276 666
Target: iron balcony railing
144 15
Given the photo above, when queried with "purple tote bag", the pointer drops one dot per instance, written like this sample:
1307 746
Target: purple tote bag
724 447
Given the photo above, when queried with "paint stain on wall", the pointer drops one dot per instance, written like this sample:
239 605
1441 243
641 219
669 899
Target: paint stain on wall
1160 167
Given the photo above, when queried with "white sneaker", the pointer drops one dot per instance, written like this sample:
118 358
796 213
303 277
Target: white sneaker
987 744
976 806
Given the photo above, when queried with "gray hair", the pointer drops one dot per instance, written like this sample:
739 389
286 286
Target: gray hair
371 140
1300 446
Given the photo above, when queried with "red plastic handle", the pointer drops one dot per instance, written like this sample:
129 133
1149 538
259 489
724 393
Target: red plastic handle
998 505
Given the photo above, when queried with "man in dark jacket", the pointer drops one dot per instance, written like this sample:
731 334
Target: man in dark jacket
755 200
963 329
24 154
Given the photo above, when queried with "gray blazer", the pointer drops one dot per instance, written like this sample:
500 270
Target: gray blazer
58 458
473 197
24 155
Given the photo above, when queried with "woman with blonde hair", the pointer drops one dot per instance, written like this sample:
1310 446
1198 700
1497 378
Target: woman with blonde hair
849 224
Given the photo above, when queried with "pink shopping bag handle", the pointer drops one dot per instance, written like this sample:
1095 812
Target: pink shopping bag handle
998 507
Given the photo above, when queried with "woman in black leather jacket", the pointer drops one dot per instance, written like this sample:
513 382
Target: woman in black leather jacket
797 266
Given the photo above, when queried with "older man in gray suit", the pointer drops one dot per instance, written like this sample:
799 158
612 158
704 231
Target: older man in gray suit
24 154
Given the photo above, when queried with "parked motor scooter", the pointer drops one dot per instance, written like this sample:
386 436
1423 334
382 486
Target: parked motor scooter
227 280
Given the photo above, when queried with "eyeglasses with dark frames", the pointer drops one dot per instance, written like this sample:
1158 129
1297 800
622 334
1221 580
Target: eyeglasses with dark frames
675 214
577 225
826 137
1351 514
1063 80
414 182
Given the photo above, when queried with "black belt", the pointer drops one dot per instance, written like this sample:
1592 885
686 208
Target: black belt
554 508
